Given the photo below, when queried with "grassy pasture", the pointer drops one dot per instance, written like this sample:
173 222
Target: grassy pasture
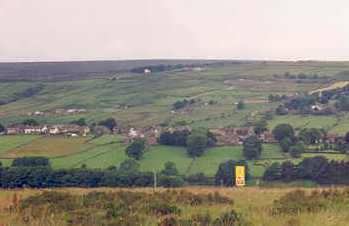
208 163
50 147
10 142
300 122
109 150
157 156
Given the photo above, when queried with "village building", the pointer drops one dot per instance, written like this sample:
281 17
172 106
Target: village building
147 71
333 138
65 129
69 130
267 137
35 129
150 135
231 136
14 130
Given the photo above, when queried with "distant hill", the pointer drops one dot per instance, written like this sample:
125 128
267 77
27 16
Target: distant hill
77 70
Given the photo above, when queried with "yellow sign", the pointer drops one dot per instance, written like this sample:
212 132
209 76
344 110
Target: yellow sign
240 176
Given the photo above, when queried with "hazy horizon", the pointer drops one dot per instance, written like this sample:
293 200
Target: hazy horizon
41 30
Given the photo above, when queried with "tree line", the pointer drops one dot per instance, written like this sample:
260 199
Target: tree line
317 169
36 172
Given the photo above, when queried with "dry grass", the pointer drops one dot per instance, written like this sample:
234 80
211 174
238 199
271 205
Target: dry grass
253 203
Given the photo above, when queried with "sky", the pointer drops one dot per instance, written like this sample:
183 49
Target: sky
59 30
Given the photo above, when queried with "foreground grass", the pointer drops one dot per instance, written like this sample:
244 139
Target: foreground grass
254 205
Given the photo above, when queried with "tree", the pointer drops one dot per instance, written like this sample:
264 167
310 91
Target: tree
80 122
30 162
301 103
171 181
2 128
30 122
260 127
225 174
176 138
313 168
170 169
199 179
311 135
136 149
181 104
273 172
347 137
343 103
288 171
296 150
283 130
281 110
240 105
286 144
110 123
197 142
252 148
129 166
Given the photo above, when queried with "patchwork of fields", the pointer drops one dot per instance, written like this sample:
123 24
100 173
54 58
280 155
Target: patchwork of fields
149 99
109 150
136 100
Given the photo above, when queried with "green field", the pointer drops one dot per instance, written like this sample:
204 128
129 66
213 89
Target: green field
109 150
208 163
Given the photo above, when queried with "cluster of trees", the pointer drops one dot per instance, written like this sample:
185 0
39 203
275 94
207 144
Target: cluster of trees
195 141
276 98
225 174
317 169
339 94
300 76
175 138
79 122
304 105
260 126
343 103
179 104
30 122
109 123
285 135
301 103
136 149
36 172
311 135
252 148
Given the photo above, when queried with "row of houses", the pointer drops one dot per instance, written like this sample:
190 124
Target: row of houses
235 136
63 129
59 111
224 136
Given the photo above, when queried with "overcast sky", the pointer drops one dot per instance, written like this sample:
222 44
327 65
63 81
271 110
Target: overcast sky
49 30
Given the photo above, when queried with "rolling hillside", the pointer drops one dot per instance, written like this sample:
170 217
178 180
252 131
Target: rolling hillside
139 100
